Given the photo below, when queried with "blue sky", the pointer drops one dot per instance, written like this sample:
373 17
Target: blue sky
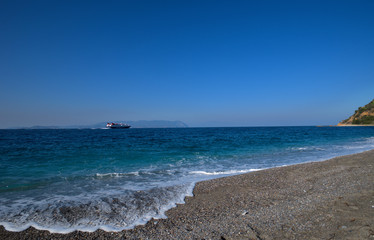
207 63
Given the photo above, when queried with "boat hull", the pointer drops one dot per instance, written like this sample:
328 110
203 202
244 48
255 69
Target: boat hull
117 125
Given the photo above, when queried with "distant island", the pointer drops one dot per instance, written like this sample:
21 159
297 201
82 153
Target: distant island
133 124
363 116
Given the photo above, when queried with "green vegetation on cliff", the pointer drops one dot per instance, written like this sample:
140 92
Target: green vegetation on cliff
364 120
362 116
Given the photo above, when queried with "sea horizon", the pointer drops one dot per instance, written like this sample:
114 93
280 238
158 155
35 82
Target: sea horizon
62 127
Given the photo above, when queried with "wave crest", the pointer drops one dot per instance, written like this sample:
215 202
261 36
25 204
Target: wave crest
229 172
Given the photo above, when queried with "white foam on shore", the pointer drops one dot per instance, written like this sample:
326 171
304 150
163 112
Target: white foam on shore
229 172
96 213
117 174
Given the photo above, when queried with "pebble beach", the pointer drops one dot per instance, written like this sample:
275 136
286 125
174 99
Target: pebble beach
333 199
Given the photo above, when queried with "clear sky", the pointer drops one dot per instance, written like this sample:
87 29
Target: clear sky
207 63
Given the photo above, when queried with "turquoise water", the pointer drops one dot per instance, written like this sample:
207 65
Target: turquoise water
63 180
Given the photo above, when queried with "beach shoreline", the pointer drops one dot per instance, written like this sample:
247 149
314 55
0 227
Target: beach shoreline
331 199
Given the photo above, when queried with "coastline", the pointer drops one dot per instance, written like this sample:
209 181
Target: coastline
354 125
332 199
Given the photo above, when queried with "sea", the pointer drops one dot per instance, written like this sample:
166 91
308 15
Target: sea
63 180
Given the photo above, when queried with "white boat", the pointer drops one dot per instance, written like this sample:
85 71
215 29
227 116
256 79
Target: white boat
117 125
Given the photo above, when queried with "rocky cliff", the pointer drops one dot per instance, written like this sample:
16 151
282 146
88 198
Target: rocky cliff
362 116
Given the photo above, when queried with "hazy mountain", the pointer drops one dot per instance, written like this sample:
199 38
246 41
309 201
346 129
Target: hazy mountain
157 124
147 124
133 124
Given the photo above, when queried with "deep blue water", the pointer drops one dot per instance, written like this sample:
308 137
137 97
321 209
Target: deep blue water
62 180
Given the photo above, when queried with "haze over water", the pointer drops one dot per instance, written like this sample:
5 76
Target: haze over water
63 180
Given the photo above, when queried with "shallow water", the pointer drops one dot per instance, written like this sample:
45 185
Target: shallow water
63 180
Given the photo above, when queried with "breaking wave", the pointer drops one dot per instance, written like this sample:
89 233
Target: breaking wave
229 172
62 214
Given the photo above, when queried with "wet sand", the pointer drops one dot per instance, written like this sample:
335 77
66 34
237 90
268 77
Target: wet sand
333 199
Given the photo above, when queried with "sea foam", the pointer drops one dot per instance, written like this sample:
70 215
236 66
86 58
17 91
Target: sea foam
229 172
110 213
